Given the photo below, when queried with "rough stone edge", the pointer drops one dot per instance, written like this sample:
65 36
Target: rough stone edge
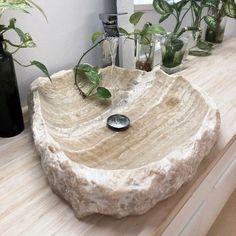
119 192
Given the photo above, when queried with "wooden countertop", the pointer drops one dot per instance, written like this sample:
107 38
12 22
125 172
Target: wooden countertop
28 206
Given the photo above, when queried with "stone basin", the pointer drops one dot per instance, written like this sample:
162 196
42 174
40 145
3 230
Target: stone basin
173 126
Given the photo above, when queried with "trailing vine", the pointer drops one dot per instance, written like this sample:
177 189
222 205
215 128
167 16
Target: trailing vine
88 76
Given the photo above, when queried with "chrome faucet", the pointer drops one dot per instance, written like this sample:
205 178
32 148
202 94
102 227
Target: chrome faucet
110 25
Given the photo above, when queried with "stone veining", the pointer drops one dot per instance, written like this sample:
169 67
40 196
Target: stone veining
173 126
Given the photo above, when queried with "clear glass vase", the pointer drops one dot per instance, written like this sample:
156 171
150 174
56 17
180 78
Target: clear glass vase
217 36
145 49
173 51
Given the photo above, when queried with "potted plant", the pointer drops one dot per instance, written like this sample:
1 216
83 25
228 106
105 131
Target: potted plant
11 121
173 44
214 20
218 10
144 39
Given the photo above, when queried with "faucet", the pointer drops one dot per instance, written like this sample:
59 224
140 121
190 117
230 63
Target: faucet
110 44
110 25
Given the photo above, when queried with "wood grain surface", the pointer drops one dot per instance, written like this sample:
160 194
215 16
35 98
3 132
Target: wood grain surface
28 206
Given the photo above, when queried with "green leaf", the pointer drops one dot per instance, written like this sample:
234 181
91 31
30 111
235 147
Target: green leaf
96 35
135 18
204 45
21 5
164 17
199 53
210 3
20 34
2 28
41 67
85 67
230 8
179 5
157 7
166 6
28 41
91 73
155 29
122 31
162 7
196 8
93 76
211 21
103 92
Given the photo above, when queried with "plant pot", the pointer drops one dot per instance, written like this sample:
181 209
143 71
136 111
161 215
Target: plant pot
172 52
218 35
145 49
11 119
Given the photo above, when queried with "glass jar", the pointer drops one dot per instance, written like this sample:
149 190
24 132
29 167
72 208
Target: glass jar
217 36
172 51
144 54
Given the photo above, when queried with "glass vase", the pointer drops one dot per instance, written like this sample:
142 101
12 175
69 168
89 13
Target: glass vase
145 49
11 119
173 51
217 36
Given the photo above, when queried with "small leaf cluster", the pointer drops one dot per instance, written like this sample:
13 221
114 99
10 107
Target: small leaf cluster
220 8
92 75
88 77
145 33
25 38
175 9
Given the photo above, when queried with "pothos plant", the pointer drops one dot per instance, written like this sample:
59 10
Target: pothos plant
87 77
196 7
143 39
25 39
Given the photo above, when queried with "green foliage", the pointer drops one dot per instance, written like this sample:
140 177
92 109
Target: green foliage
143 36
96 36
89 77
103 92
166 10
211 22
147 30
164 17
135 18
172 51
41 67
25 38
199 53
230 8
203 45
145 33
162 7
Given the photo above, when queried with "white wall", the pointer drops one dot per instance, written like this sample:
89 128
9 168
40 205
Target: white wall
62 40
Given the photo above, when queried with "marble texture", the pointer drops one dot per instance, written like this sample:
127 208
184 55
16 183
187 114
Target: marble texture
173 126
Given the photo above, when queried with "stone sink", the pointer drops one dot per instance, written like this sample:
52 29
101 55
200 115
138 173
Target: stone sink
96 170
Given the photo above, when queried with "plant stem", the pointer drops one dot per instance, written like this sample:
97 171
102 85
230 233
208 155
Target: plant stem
190 28
14 45
76 67
84 54
184 15
21 63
